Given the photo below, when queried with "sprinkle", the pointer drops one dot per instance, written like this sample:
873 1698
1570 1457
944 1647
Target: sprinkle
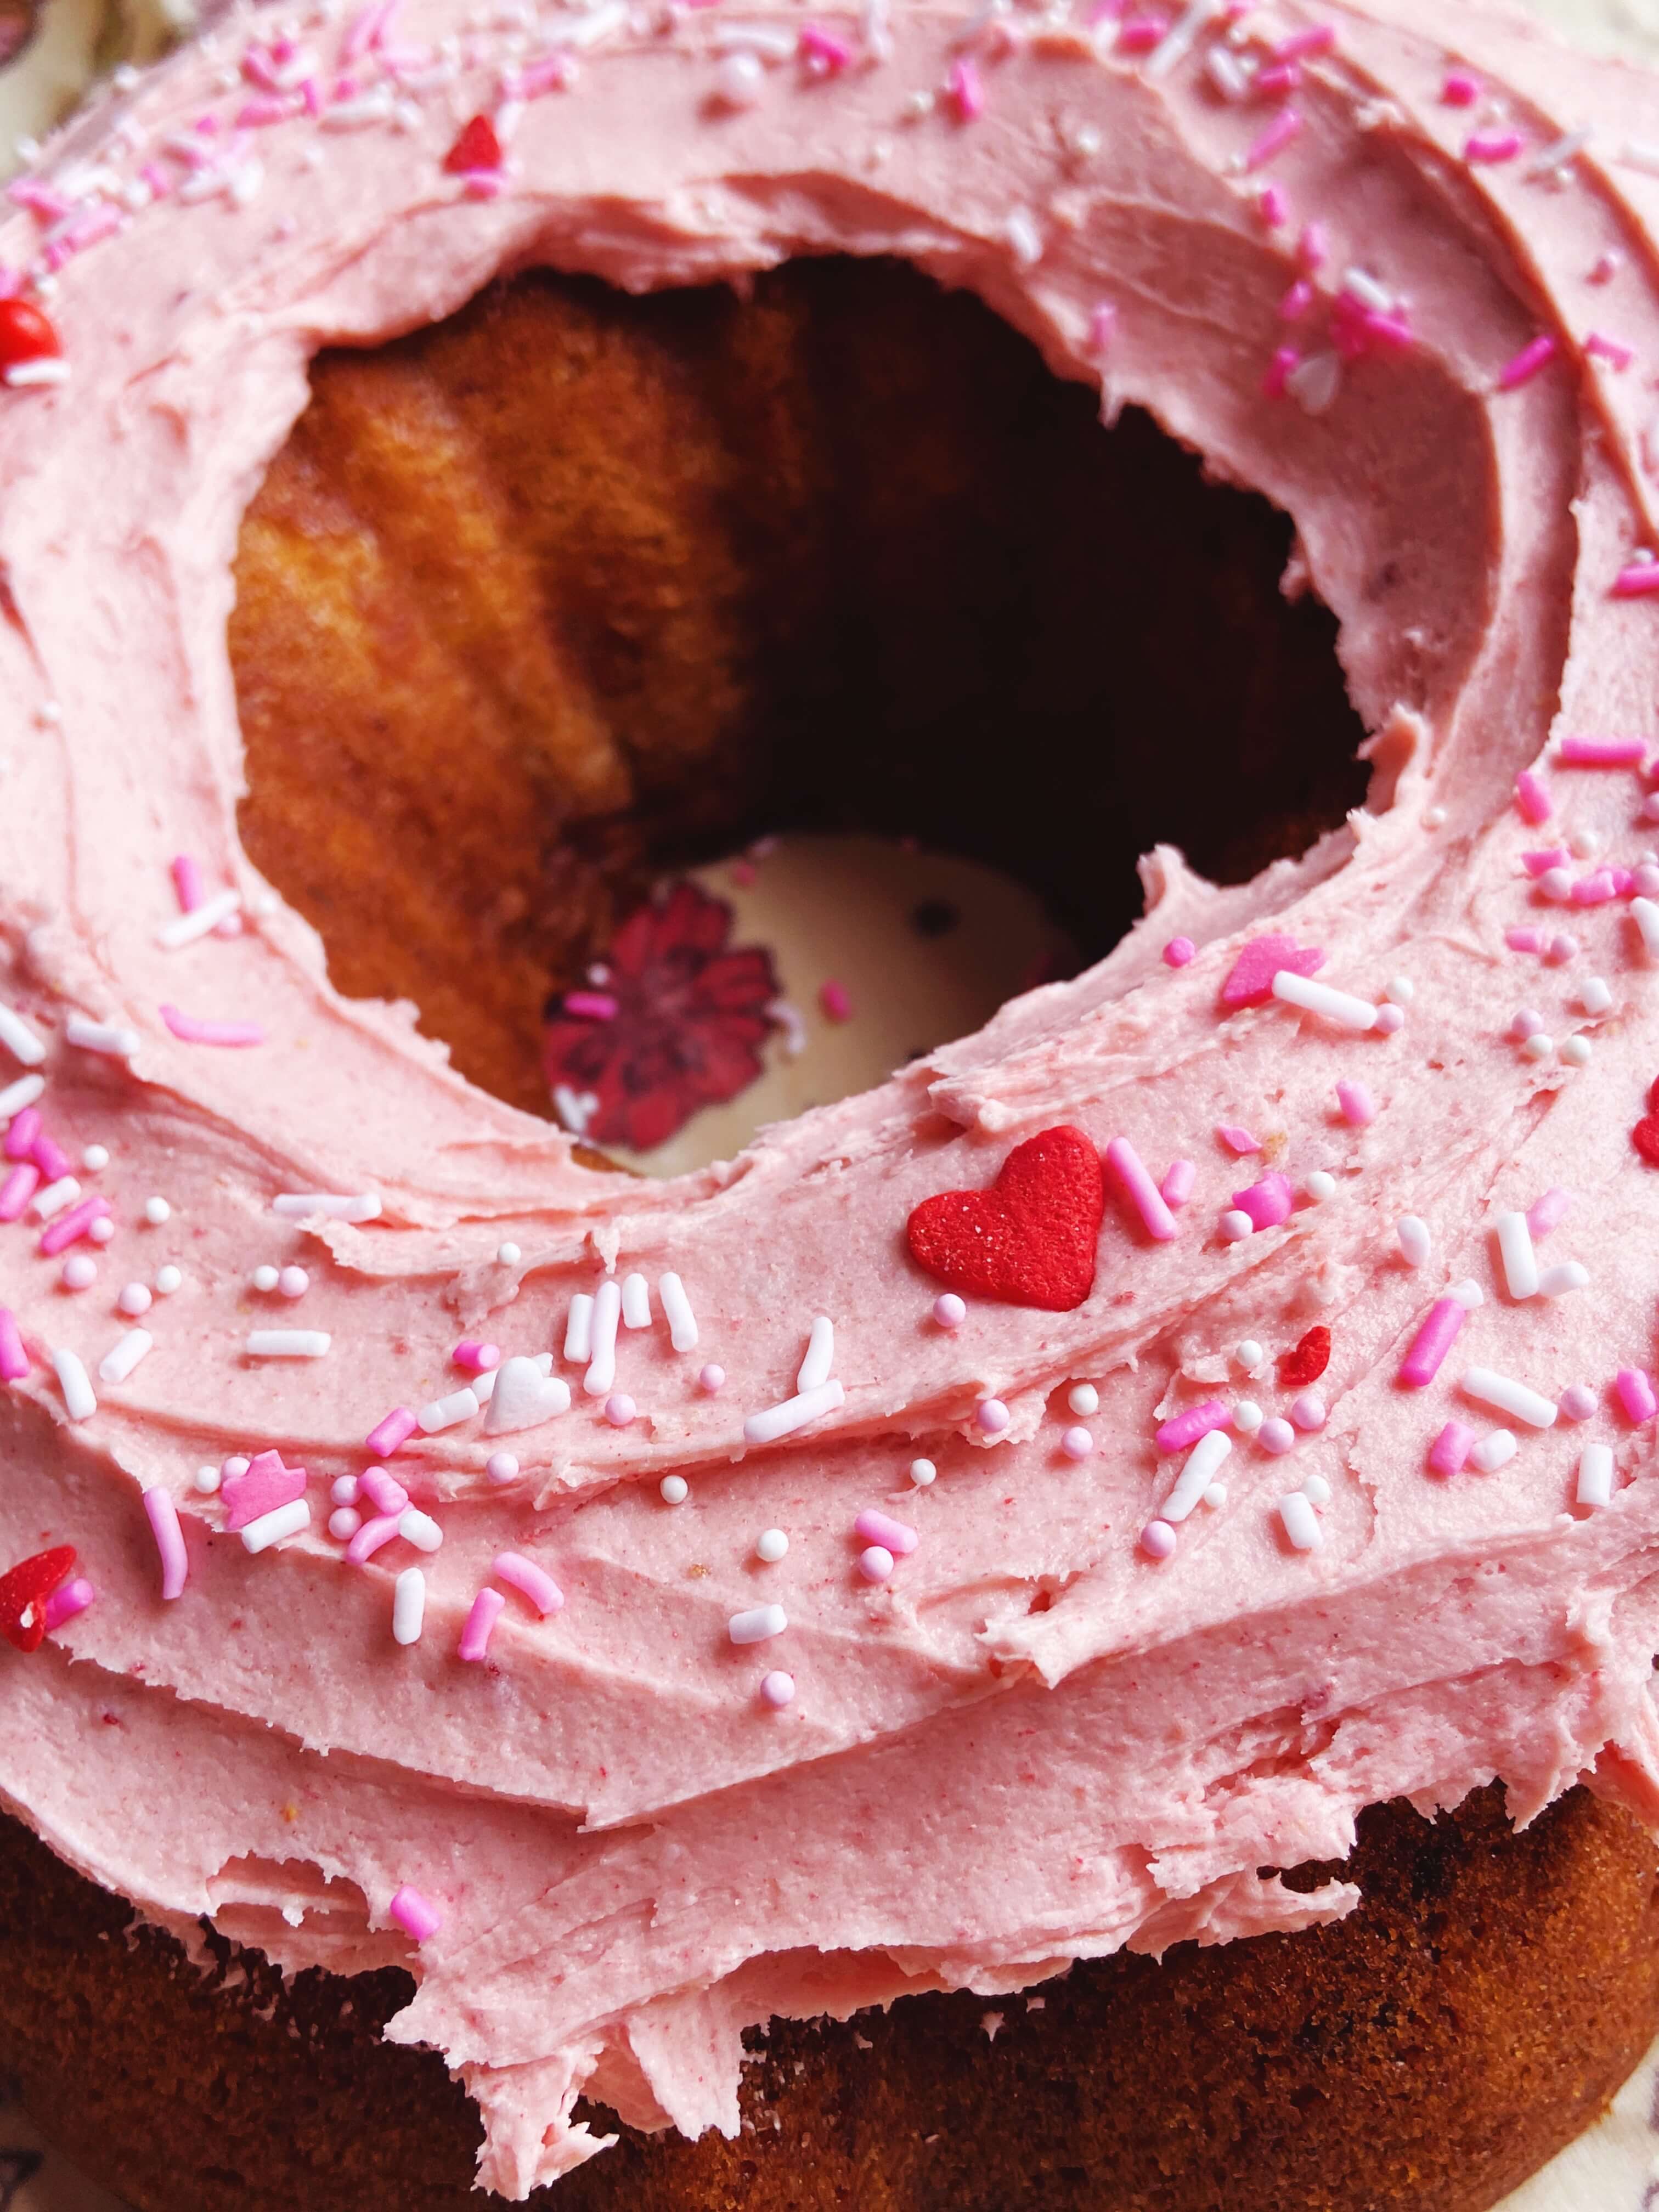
1320 1187
991 1416
1450 1451
508 1254
635 1301
1537 1048
265 1277
1203 1465
1390 1020
1314 383
15 1362
1520 369
1461 88
167 1280
1558 153
1236 1225
1413 1235
782 1420
414 1915
1124 1162
1531 798
1636 579
22 1094
20 1040
1183 36
487 1608
758 1625
72 1380
1157 1540
109 1038
673 1490
1510 1396
419 1530
601 1375
777 1689
272 1527
407 1609
1600 347
1250 1355
1562 947
383 1491
119 1362
771 1545
1595 1475
1355 1104
1077 1444
56 1195
579 1329
1265 1204
24 1129
923 1473
68 1228
1516 1254
344 1523
620 1409
17 1189
1635 1395
1467 1293
1494 1451
1177 1187
1316 1490
1548 1211
820 1354
478 1358
198 921
1570 1275
1645 915
383 1438
1338 1006
1273 140
965 90
191 1028
1433 1341
1197 1421
1247 1416
711 1380
1276 1436
1492 146
63 1604
1301 1523
329 1205
1083 1398
1578 1403
448 1412
676 1310
1594 997
288 1344
163 1517
1601 752
1235 1139
1179 952
503 1467
1308 1413
134 1299
877 1527
875 1563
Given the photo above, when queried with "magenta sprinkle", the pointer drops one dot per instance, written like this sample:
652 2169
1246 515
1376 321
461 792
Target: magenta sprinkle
1526 364
163 1517
525 1577
1540 863
1297 301
1636 579
190 1029
477 1358
1492 146
1313 248
1184 1429
371 1538
1525 940
13 1359
481 1623
1267 1202
1597 890
1273 207
1635 1394
20 1136
1236 1138
18 1188
1157 1540
877 1527
1276 81
1284 360
1141 34
50 1157
1178 951
1301 46
69 1227
966 91
1547 1213
1177 1185
1451 1448
63 1604
1433 1341
1532 799
1103 325
383 1491
836 1001
823 47
1601 752
591 1006
265 1485
1608 350
1274 139
1461 88
395 1429
1251 979
188 886
1356 1104
418 1919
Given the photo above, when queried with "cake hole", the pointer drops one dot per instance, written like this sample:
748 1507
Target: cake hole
549 604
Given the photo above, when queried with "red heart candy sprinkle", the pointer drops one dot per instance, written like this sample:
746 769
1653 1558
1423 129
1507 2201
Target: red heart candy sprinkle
1308 1360
24 1592
478 147
25 334
1645 1138
1251 979
1030 1240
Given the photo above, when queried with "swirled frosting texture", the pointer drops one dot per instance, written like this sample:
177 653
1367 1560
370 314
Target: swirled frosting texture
1035 1742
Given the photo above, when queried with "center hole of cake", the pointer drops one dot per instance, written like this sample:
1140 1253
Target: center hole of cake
699 705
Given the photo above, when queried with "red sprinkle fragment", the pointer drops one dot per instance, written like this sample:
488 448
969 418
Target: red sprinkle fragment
25 334
1645 1138
1308 1361
478 147
24 1591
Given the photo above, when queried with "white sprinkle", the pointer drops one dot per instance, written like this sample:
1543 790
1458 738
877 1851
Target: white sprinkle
49 369
757 1625
79 1273
601 1374
293 1283
157 1212
448 1413
110 1038
20 1040
55 1197
265 1277
509 1255
1434 817
1595 996
1635 154
676 1308
1314 384
1646 917
1235 1225
167 1280
373 107
330 1205
1569 1275
922 1472
1227 74
1537 1046
765 1428
200 920
1321 1187
207 1480
739 79
1413 1234
1301 1521
1216 1496
1515 1252
1400 990
1025 239
1083 1398
1182 36
673 1490
1341 1008
24 1092
770 1545
579 1330
1250 1356
1203 1465
1316 1490
420 1529
288 1344
820 1355
1361 285
75 1385
1467 1293
635 1301
1576 1051
1494 1451
1248 1417
134 1299
1595 1475
1510 1397
93 1156
271 1527
407 1606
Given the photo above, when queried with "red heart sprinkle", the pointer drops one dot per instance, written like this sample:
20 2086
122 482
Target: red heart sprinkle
1309 1360
1030 1240
24 1592
478 147
1251 979
1645 1138
25 334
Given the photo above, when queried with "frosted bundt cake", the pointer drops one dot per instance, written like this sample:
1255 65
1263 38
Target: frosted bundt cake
1054 1632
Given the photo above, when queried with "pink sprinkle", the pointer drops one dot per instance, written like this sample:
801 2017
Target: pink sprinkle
1635 1394
833 998
1540 863
372 1537
481 1623
188 1028
1297 301
1608 350
1597 890
1624 881
1274 139
64 1603
1460 89
1433 1341
879 1528
1236 1138
525 1577
1313 247
1532 799
1357 1107
1601 752
188 886
20 1136
163 1517
1177 1185
1141 34
777 1689
1547 1213
1526 364
1285 358
13 1359
965 89
266 1485
383 1491
620 1409
1317 39
1077 1444
822 46
477 1358
1492 146
1578 1403
743 874
1636 579
1251 979
1157 1540
993 1416
1277 1437
1389 1019
591 1006
712 1380
1525 940
413 1914
69 1227
395 1429
18 1188
1184 1429
875 1563
1451 1448
50 1157
1273 207
1178 951
366 29
1103 327
1276 81
1267 1202
1562 947
1125 1164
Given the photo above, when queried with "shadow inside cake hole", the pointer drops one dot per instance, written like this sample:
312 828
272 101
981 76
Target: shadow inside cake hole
575 590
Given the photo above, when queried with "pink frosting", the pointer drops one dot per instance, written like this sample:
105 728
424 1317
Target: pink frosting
1036 1740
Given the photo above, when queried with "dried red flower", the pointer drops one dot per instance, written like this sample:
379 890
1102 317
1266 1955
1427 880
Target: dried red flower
1306 1361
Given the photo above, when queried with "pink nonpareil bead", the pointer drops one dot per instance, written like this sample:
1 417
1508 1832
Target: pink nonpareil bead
13 1359
1451 1448
1526 1022
949 1311
480 1624
712 1380
1308 1413
477 1358
879 1528
1577 1402
383 1491
777 1689
416 1915
1178 951
1356 1104
1077 1444
1184 1429
1390 1019
620 1409
24 1128
1267 1203
836 1001
64 1603
991 1416
395 1429
503 1467
1276 1436
1157 1540
1460 88
1561 948
1433 1341
1177 1187
876 1564
1635 1395
1531 799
